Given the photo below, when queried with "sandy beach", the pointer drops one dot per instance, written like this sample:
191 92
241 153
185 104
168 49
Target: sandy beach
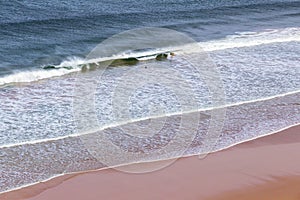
265 168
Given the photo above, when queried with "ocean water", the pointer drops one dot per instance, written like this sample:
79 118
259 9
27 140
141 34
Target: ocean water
53 120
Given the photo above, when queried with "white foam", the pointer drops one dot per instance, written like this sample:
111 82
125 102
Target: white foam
120 123
248 39
239 40
34 75
126 164
73 62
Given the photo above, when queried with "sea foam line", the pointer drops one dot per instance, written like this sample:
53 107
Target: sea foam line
146 118
34 75
249 39
157 160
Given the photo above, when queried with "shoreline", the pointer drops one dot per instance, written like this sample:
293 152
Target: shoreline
265 110
271 146
72 174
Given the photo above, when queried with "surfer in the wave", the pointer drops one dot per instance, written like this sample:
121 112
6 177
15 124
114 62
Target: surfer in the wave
172 54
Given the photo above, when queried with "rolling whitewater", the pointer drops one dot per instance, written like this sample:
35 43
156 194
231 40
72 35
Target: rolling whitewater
254 45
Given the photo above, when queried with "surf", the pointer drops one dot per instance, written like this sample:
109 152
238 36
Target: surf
258 130
132 57
121 123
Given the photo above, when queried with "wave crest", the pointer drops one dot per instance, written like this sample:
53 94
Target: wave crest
74 64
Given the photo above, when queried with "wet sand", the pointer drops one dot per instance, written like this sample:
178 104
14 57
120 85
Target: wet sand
265 168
